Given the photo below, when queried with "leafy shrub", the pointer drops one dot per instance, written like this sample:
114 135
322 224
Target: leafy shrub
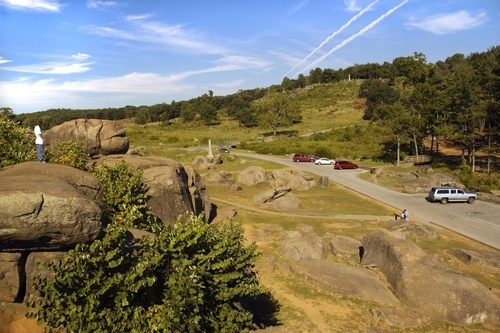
466 176
69 153
189 277
125 194
323 152
16 143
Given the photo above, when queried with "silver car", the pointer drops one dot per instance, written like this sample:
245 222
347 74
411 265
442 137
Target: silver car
445 194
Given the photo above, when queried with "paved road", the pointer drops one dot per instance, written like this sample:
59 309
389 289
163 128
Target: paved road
479 221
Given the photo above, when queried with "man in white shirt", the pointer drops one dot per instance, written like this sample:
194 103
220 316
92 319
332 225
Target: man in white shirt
40 149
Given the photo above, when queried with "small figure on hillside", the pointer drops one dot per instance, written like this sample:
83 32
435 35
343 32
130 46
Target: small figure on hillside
40 149
404 215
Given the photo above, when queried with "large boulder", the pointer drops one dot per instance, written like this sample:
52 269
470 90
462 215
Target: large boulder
99 137
310 246
79 179
345 280
176 189
422 283
280 198
282 178
253 175
44 209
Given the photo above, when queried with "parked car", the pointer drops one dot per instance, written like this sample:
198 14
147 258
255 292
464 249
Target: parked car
445 194
344 165
303 158
324 161
224 150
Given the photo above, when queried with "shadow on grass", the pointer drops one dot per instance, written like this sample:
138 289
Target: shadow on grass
264 309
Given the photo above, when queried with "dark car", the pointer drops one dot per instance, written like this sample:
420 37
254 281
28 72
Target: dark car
303 158
224 150
345 165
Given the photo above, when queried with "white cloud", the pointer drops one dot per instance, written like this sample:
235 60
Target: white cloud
351 5
299 6
52 93
160 34
442 24
4 61
80 56
95 4
39 5
229 85
243 62
137 17
51 68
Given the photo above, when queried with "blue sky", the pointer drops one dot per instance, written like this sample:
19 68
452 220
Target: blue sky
84 54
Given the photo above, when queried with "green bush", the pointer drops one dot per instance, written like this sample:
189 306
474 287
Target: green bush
17 145
189 277
69 153
124 192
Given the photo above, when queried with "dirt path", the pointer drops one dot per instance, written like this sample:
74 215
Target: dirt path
311 310
309 214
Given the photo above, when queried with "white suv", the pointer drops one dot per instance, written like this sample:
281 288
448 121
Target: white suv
445 194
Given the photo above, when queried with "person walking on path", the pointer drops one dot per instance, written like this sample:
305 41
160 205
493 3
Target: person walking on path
404 215
40 148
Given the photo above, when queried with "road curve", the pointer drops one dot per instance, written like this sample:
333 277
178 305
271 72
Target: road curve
479 221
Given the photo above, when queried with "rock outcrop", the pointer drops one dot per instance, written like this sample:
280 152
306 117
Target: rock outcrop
99 137
342 279
52 210
422 283
176 189
301 182
280 198
253 175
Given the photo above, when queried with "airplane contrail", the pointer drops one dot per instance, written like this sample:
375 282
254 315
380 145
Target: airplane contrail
362 31
333 35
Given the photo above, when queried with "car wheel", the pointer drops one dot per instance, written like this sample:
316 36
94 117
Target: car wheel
340 168
471 200
296 160
444 200
355 167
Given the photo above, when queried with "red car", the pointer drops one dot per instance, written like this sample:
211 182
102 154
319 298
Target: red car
345 165
303 158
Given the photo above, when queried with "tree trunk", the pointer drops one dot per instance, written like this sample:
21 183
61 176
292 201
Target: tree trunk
489 146
399 146
416 146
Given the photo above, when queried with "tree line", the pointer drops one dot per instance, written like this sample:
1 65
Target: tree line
457 98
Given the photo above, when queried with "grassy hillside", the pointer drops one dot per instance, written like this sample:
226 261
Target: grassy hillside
332 127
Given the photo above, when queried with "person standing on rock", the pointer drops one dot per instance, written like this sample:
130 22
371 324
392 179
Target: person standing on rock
40 148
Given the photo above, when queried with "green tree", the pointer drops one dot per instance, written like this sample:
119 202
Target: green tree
16 143
278 110
207 110
464 97
397 118
187 112
376 92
